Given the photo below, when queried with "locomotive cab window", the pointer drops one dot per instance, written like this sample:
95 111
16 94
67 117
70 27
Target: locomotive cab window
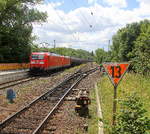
38 57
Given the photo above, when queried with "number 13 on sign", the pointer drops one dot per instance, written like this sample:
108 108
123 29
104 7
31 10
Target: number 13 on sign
115 72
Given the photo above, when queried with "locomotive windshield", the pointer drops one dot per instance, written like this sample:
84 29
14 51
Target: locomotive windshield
37 57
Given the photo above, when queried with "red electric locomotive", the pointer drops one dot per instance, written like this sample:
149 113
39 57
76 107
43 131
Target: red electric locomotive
44 61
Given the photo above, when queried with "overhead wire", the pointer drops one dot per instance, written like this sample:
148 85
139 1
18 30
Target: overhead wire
86 22
83 16
61 19
93 16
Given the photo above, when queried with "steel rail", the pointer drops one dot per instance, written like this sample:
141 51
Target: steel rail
44 95
17 82
41 126
21 80
12 81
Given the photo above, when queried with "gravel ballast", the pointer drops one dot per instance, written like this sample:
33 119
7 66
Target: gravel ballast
28 91
66 120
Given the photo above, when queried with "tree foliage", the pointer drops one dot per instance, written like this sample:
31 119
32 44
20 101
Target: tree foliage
141 59
101 56
78 53
16 18
131 43
123 42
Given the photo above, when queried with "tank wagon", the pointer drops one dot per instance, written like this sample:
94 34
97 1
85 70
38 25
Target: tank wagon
45 61
76 61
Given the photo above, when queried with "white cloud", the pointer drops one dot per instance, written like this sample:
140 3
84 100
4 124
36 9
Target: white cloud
73 30
143 9
143 1
116 3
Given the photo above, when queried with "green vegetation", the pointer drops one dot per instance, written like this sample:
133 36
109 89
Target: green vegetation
131 43
16 18
132 119
16 40
131 83
79 53
101 55
93 120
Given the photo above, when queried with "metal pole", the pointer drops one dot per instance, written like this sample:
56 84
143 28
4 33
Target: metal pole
54 44
114 106
108 44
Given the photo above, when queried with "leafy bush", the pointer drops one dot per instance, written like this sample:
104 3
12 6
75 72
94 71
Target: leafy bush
132 118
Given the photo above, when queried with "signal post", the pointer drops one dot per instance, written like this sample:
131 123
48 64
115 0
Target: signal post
115 71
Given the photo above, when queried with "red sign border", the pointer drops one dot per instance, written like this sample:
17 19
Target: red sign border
115 85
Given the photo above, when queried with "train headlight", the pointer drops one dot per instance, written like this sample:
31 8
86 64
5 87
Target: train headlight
32 62
41 62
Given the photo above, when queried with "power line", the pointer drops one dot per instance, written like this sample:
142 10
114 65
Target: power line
93 15
68 28
86 20
61 19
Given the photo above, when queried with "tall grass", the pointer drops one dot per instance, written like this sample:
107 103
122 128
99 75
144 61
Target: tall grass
130 83
93 119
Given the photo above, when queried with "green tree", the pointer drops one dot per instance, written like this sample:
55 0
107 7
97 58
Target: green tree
142 50
101 56
115 48
78 53
2 4
132 44
16 19
123 42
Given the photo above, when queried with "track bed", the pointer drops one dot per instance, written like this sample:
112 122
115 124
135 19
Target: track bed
29 119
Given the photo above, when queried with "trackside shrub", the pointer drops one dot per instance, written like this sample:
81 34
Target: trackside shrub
132 118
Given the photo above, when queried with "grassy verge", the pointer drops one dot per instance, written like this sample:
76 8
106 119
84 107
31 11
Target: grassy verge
93 120
130 83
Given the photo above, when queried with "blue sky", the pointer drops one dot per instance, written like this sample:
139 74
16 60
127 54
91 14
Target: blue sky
73 4
71 23
132 4
70 4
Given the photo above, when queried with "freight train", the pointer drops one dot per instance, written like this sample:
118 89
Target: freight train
45 61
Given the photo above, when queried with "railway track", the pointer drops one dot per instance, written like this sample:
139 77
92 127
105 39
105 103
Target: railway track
15 82
25 79
33 118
